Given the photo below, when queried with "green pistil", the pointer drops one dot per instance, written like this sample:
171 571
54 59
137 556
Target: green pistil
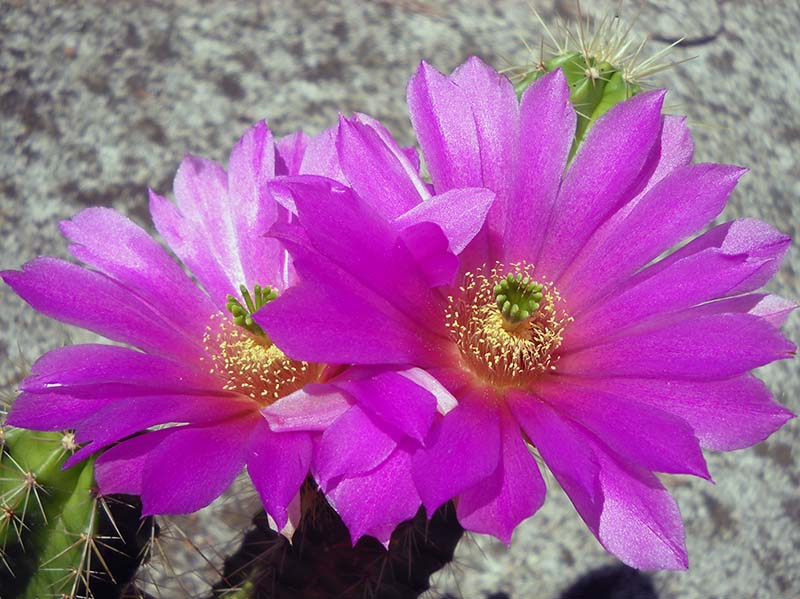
243 314
517 297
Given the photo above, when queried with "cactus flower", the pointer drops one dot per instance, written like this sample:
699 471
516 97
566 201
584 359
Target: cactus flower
178 408
374 417
559 328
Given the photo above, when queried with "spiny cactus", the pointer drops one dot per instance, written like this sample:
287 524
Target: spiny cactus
58 537
602 64
322 562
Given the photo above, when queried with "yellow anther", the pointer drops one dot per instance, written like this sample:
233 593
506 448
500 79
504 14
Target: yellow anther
251 365
501 355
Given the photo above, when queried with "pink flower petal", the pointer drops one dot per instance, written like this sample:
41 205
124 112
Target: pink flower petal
408 157
495 110
547 128
278 464
772 309
345 331
252 212
188 240
639 521
462 450
396 400
202 195
351 234
559 442
100 371
514 492
359 301
677 149
460 213
608 170
691 346
322 156
90 300
725 415
136 261
643 433
445 401
290 151
412 156
443 121
626 507
127 416
52 411
374 503
374 170
193 466
119 469
681 203
429 247
756 239
352 445
695 279
313 408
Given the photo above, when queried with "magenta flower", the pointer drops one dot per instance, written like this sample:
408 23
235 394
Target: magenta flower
371 420
197 363
559 329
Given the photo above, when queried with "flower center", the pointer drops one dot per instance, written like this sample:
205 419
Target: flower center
517 298
243 314
507 326
241 353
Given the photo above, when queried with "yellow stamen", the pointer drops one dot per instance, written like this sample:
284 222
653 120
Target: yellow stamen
501 355
252 365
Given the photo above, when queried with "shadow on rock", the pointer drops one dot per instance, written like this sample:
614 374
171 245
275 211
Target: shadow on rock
612 582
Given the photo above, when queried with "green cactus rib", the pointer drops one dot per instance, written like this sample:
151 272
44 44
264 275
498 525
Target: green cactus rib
595 86
52 521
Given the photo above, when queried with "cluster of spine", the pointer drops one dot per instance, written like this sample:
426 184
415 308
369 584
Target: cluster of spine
58 537
601 62
595 86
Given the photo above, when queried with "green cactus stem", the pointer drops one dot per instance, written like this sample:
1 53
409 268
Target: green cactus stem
595 86
58 537
601 63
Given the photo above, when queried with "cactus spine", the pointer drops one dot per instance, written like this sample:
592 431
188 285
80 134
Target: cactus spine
58 537
601 63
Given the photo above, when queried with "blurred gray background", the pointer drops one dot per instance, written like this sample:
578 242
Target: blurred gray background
99 100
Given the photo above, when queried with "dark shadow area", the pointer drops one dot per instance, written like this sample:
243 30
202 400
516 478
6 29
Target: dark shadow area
612 582
322 562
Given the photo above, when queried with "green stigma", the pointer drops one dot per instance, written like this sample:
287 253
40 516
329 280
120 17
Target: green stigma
518 298
243 314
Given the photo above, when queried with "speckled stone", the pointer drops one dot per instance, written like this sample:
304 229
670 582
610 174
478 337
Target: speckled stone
99 100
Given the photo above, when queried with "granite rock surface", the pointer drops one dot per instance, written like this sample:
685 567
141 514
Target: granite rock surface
99 100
